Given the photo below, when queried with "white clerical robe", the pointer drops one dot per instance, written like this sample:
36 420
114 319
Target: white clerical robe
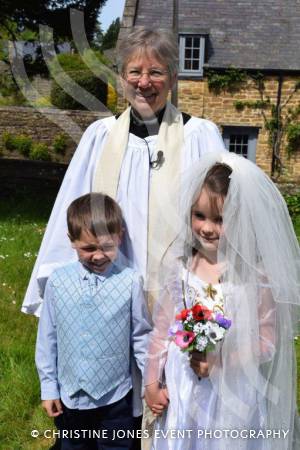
200 136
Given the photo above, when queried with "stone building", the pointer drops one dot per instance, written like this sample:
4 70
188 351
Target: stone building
239 65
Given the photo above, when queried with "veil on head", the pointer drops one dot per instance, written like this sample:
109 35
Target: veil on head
260 253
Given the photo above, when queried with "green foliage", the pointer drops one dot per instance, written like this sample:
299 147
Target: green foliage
34 150
109 39
85 79
9 91
53 13
3 48
73 62
60 144
277 124
71 69
22 222
40 152
293 204
231 80
293 137
258 104
8 141
21 143
69 62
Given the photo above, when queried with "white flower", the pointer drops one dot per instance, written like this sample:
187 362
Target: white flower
2 256
201 343
27 255
198 328
205 327
214 332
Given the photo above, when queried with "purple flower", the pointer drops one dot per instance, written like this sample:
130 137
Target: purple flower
177 326
222 321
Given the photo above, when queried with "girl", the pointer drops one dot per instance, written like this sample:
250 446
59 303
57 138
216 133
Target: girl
238 255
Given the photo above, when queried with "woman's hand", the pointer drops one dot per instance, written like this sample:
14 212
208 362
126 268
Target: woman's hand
156 398
199 364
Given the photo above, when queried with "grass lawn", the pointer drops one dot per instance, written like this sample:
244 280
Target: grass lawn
22 222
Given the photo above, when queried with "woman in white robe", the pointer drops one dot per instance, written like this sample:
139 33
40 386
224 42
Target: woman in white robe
134 158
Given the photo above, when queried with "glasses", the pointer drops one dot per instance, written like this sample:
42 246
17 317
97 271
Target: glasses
153 74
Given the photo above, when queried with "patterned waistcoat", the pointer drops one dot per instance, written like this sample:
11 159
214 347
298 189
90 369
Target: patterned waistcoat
93 320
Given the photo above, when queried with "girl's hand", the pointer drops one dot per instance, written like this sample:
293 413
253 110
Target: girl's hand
52 407
156 398
199 364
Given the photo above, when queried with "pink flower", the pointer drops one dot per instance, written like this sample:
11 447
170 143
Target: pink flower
184 338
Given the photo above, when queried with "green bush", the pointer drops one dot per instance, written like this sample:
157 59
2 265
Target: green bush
293 137
23 144
293 204
20 143
40 152
60 144
90 72
10 93
71 62
90 84
8 141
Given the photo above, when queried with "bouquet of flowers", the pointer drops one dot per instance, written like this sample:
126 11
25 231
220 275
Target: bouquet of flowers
199 329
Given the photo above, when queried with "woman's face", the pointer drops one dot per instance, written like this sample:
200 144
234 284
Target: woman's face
148 93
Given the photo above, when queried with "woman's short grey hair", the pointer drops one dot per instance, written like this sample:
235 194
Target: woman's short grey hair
161 43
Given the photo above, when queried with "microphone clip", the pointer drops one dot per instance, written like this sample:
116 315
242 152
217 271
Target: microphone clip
158 162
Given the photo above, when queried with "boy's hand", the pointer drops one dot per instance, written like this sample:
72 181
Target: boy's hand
156 398
52 407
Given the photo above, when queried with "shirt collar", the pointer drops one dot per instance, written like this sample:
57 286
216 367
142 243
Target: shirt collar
86 274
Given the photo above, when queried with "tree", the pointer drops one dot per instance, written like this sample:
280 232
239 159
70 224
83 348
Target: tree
54 13
109 38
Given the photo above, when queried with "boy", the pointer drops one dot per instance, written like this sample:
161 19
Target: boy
93 313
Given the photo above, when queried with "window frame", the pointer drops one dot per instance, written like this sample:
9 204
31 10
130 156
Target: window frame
182 47
251 132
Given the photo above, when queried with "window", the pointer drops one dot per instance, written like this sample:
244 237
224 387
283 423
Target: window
191 54
241 140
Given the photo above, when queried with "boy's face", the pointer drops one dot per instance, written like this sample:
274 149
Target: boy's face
97 253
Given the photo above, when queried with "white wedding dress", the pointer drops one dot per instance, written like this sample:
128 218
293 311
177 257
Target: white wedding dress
190 422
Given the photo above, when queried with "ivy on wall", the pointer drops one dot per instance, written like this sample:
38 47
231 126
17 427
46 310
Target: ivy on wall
230 80
282 121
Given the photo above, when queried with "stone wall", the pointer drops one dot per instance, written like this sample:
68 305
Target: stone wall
195 98
24 174
45 124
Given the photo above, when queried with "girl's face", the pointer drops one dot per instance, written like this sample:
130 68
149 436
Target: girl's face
207 221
